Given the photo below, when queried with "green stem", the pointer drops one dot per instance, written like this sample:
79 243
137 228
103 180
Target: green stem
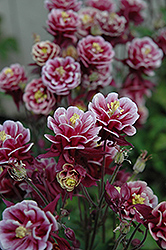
132 235
142 242
118 166
29 182
118 241
103 170
85 191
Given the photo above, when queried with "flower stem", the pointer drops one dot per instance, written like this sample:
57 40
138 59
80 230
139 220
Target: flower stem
118 166
85 191
118 241
29 182
132 235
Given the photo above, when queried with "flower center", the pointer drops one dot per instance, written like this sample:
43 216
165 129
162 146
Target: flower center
86 19
65 16
44 50
9 71
3 136
21 232
74 118
114 106
39 96
118 188
71 182
60 71
138 199
96 48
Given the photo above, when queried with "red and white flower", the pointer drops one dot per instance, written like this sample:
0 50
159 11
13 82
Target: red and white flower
63 24
98 78
74 131
13 141
38 98
116 116
140 193
132 10
60 75
44 50
157 226
63 4
102 5
112 24
26 226
144 55
95 52
12 77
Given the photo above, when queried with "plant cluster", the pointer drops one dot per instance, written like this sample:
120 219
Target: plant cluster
72 186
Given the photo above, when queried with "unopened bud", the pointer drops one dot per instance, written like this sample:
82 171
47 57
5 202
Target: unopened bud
119 157
69 233
140 164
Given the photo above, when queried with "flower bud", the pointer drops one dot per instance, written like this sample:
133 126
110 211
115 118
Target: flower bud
69 233
139 166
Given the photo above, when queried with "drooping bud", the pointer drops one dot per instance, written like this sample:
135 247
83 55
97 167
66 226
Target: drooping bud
140 163
69 233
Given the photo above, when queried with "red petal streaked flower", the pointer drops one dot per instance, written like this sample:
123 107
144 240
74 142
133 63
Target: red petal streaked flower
89 24
63 4
140 193
12 77
13 141
161 39
157 225
60 75
26 226
38 98
98 78
144 55
102 5
116 116
63 24
74 131
44 50
95 52
112 24
132 10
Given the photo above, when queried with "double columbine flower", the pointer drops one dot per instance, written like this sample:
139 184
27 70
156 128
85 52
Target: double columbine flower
44 50
13 142
74 131
60 75
95 52
116 116
26 226
38 98
144 55
63 4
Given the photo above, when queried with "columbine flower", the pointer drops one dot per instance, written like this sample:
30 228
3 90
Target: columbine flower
44 50
61 75
161 39
12 77
132 10
89 24
112 24
140 193
72 175
63 24
116 196
98 78
38 98
63 4
157 225
13 141
95 52
144 55
116 116
74 131
102 5
26 226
